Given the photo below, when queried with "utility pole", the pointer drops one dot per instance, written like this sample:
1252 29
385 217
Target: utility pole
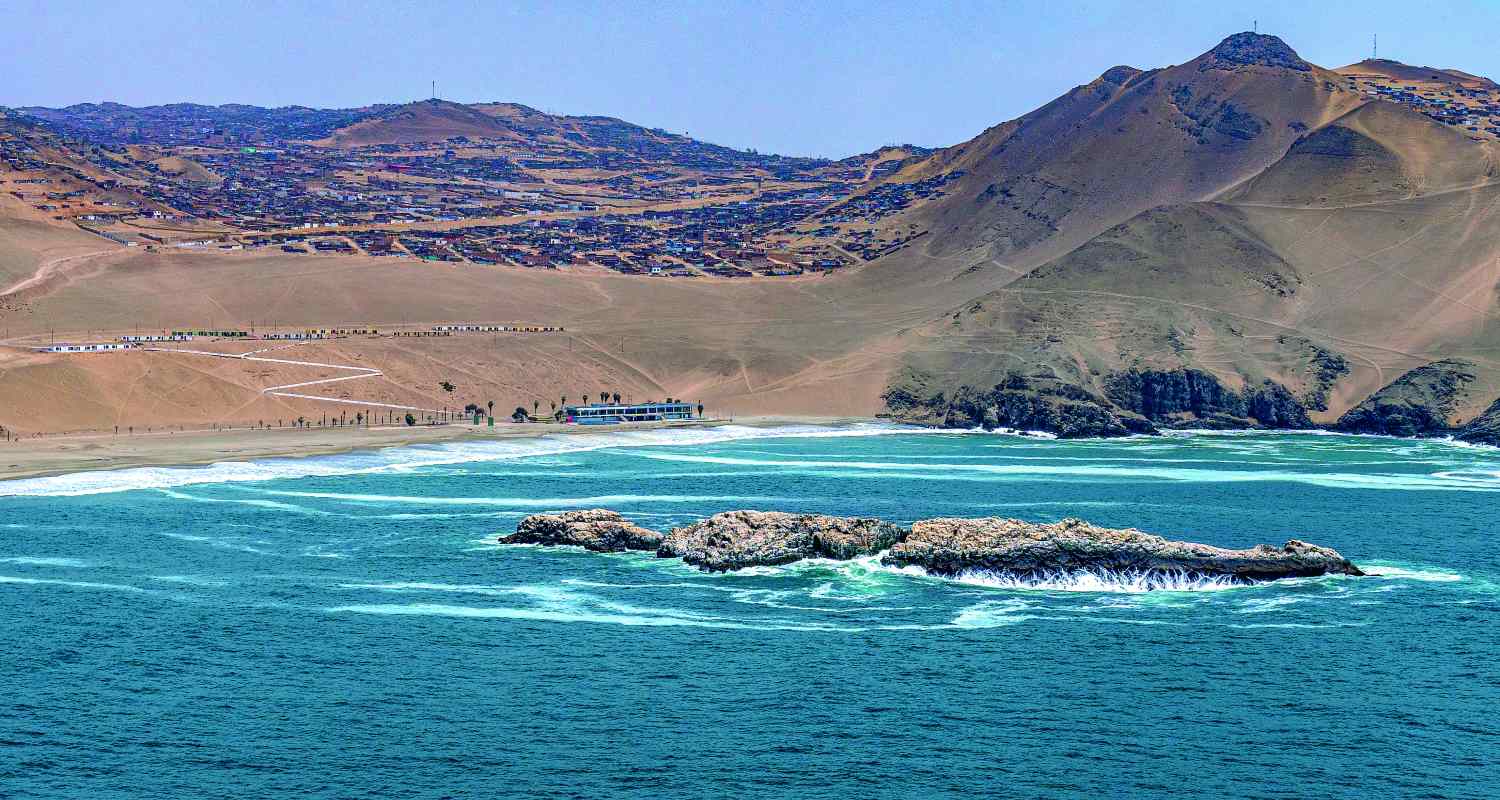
1374 46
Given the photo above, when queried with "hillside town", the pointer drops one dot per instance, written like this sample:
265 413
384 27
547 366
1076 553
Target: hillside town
573 193
1467 103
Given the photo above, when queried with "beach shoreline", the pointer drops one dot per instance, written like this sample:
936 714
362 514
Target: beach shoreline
61 455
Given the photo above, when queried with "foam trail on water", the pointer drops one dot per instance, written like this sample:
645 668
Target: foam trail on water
418 456
113 587
537 502
45 561
1483 481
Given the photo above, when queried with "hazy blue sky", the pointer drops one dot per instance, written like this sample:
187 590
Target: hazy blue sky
815 77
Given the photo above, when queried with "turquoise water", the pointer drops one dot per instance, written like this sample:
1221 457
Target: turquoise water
347 627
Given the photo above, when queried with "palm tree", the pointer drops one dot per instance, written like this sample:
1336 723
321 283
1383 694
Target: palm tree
617 398
490 406
700 411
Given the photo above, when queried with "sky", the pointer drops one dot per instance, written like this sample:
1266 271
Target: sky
816 77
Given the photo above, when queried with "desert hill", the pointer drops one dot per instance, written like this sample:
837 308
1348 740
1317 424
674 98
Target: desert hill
1243 239
432 121
424 121
1032 188
1366 248
1395 70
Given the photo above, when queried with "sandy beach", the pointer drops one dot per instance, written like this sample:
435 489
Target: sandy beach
58 455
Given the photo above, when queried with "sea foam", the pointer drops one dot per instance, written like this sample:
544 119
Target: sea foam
416 456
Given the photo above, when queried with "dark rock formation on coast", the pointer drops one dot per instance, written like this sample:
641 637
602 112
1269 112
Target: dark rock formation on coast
1018 403
946 547
1485 428
1419 403
1134 401
597 529
1028 550
738 539
1193 398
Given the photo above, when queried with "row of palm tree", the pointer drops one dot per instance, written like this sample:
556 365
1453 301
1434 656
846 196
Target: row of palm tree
557 406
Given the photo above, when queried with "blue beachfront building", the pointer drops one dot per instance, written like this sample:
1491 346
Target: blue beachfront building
609 414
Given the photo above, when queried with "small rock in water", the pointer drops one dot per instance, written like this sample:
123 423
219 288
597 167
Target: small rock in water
951 546
596 529
738 539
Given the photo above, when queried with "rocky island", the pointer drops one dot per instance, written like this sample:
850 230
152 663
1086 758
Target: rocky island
948 547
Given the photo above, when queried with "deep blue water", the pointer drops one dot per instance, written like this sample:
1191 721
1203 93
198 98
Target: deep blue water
351 628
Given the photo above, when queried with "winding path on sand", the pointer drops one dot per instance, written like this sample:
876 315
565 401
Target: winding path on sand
51 269
282 390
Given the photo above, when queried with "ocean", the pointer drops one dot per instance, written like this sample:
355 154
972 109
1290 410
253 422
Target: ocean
348 627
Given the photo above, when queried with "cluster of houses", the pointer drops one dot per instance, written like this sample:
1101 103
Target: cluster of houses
467 328
1476 110
307 334
552 200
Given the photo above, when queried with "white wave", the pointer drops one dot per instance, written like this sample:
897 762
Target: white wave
994 614
113 587
418 456
222 544
46 561
591 610
1474 481
190 580
1134 582
537 502
1428 575
271 504
537 614
1300 625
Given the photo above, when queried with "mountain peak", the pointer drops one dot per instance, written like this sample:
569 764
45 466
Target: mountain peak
1120 75
1253 49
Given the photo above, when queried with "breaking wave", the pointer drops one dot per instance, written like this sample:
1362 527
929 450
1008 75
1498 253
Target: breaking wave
409 457
1451 480
1131 582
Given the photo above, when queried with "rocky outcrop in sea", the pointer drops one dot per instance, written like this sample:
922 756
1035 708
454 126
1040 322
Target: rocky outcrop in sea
1026 550
598 529
738 539
948 547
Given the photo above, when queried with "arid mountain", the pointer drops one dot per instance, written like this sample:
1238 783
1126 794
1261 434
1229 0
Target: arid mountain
1033 188
1347 242
180 122
531 130
1395 70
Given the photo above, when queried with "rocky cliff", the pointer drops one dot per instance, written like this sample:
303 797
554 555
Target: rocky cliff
1419 403
1485 428
1134 401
